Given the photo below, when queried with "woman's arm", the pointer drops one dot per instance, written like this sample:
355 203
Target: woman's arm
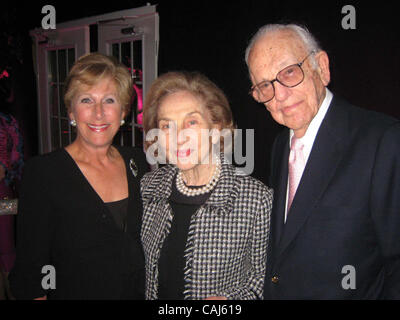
253 286
33 233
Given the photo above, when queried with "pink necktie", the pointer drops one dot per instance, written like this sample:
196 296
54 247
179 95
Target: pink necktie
296 168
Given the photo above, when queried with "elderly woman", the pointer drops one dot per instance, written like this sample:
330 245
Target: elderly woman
205 225
79 207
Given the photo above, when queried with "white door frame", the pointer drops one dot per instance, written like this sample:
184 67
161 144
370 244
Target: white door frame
76 34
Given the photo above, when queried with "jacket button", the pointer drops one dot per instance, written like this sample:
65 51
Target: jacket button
275 279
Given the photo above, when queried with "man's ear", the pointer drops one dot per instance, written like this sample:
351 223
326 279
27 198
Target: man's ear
323 67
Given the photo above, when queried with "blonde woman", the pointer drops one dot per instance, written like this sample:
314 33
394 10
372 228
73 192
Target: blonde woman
80 207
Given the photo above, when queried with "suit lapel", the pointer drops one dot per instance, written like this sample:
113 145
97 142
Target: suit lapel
327 151
279 181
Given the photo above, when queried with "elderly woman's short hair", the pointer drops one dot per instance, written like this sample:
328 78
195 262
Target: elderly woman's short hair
92 68
212 97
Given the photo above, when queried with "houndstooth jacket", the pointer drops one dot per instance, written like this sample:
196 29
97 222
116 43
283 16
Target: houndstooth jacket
227 240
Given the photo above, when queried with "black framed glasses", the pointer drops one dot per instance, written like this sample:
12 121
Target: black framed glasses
289 77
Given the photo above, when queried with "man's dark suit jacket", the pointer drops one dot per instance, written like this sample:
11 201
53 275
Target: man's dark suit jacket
346 211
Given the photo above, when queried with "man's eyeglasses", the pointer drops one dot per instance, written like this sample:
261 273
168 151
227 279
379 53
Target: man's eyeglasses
290 77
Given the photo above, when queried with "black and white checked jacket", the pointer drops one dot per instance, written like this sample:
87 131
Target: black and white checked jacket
227 241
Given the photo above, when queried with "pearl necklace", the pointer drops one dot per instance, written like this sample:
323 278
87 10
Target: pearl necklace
191 192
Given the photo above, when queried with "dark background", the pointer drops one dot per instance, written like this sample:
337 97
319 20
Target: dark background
211 37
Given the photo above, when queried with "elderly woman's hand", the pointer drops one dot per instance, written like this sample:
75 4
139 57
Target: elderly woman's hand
216 298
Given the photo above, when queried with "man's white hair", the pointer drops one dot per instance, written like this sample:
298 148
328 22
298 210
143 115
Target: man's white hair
309 41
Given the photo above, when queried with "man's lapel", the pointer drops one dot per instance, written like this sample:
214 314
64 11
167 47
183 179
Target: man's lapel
325 156
279 182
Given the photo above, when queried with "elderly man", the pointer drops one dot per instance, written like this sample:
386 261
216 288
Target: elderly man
335 230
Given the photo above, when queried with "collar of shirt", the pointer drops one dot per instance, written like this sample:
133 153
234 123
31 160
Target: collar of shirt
312 130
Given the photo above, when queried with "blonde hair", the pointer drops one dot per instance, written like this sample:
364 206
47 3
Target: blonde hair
212 97
90 69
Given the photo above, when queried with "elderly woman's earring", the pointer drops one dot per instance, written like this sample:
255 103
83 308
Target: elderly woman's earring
122 122
73 123
215 136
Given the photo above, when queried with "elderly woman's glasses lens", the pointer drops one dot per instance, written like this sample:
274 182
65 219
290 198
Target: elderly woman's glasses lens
290 77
